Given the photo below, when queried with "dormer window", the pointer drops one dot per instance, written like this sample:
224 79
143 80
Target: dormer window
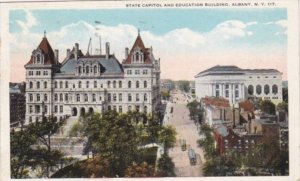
137 56
38 57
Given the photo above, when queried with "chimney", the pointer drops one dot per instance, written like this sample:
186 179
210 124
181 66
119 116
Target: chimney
126 52
76 51
68 52
56 56
107 50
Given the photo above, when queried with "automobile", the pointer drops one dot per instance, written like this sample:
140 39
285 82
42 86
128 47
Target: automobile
192 157
183 145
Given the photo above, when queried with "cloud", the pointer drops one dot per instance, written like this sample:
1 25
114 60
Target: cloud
30 21
282 23
187 51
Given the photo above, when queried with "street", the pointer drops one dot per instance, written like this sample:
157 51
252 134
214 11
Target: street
186 130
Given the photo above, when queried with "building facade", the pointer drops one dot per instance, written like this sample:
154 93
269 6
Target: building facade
91 83
236 84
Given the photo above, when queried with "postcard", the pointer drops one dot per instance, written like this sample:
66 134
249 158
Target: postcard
187 90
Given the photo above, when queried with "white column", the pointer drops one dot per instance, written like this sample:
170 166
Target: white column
243 91
213 89
224 92
240 90
233 93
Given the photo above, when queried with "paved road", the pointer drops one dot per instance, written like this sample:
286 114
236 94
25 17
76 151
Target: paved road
187 130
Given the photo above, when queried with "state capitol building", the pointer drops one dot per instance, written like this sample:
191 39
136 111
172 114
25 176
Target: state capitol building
84 83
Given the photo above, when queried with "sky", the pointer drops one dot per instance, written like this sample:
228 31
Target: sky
187 41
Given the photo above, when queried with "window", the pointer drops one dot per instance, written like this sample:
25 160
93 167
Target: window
226 86
114 84
100 98
79 84
145 71
145 97
137 72
30 109
129 97
87 84
66 97
120 109
61 84
45 85
55 84
250 89
109 108
60 97
145 109
274 89
94 97
38 58
217 93
258 89
37 109
129 108
95 69
45 97
108 97
120 84
38 73
30 97
115 97
45 109
145 84
45 72
95 84
87 69
66 84
38 85
129 84
266 89
129 72
115 108
217 86
108 84
30 85
86 98
236 93
137 97
38 98
137 108
79 70
55 97
226 93
137 56
120 97
61 109
78 97
137 84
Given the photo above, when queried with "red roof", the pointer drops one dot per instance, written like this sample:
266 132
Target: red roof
47 51
138 44
247 106
216 101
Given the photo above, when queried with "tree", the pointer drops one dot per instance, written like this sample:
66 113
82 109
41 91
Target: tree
285 95
31 148
184 85
167 137
140 170
283 107
267 106
165 166
165 95
196 111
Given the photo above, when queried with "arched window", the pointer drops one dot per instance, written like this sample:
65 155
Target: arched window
120 109
108 97
145 109
129 84
137 56
87 84
145 84
55 84
250 89
114 97
38 98
38 85
30 85
120 84
38 58
87 70
114 84
66 97
274 89
95 84
55 97
95 69
30 97
79 70
266 89
45 85
120 97
61 97
66 84
129 108
108 84
45 97
79 84
78 97
258 89
60 84
129 97
145 97
137 84
86 98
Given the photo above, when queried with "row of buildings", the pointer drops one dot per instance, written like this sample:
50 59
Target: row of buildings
84 83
